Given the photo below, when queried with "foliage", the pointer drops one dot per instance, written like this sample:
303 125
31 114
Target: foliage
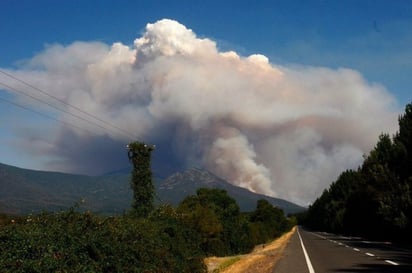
167 240
141 183
375 200
81 242
272 220
223 229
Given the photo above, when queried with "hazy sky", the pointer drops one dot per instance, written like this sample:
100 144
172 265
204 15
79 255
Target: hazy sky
275 96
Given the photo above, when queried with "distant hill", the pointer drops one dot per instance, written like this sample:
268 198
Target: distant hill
174 188
24 191
27 191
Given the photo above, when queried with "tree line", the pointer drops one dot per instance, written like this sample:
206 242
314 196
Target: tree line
168 239
374 201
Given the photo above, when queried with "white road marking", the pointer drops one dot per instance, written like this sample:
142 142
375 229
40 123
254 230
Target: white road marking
333 241
318 235
390 262
310 267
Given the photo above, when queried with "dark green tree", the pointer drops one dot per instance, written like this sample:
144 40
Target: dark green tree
272 220
403 141
318 215
378 194
141 182
339 192
216 216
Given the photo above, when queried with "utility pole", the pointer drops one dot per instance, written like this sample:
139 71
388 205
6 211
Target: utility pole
141 183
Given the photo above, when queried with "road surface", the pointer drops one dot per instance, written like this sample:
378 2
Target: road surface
324 252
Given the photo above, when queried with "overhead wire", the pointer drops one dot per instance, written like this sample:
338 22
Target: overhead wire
43 114
52 106
124 132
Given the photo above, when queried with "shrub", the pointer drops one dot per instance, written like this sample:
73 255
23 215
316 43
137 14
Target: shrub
82 242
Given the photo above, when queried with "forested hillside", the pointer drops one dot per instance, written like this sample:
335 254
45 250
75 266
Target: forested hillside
28 191
374 201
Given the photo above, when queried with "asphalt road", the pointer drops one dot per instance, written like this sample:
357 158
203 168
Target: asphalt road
324 252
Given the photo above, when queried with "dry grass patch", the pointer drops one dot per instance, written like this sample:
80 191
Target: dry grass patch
262 259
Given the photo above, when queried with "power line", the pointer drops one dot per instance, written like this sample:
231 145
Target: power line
51 105
43 114
67 104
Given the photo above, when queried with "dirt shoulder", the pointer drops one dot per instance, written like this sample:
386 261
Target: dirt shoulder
262 259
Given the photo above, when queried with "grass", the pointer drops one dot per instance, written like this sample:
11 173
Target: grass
263 258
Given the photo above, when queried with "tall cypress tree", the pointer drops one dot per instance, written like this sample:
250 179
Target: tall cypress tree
141 182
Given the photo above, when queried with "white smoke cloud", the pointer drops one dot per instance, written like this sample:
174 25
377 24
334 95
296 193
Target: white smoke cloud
283 131
232 156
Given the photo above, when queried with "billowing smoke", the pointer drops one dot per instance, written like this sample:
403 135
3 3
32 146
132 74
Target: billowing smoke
285 131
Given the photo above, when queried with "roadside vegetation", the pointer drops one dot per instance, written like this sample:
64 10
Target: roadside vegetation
71 241
168 240
374 201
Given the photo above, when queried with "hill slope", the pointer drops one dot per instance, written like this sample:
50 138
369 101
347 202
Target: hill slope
25 191
174 188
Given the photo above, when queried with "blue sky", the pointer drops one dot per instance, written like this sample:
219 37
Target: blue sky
371 37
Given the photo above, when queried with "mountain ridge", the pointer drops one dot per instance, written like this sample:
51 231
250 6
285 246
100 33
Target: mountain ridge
181 181
27 191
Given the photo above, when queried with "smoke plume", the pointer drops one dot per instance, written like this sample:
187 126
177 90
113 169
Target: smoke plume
285 131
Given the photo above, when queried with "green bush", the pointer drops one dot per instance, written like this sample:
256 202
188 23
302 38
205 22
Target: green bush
82 242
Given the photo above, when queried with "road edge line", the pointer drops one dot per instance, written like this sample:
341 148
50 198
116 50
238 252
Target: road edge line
308 263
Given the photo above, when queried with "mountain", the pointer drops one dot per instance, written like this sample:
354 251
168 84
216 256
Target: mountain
174 188
24 191
27 191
